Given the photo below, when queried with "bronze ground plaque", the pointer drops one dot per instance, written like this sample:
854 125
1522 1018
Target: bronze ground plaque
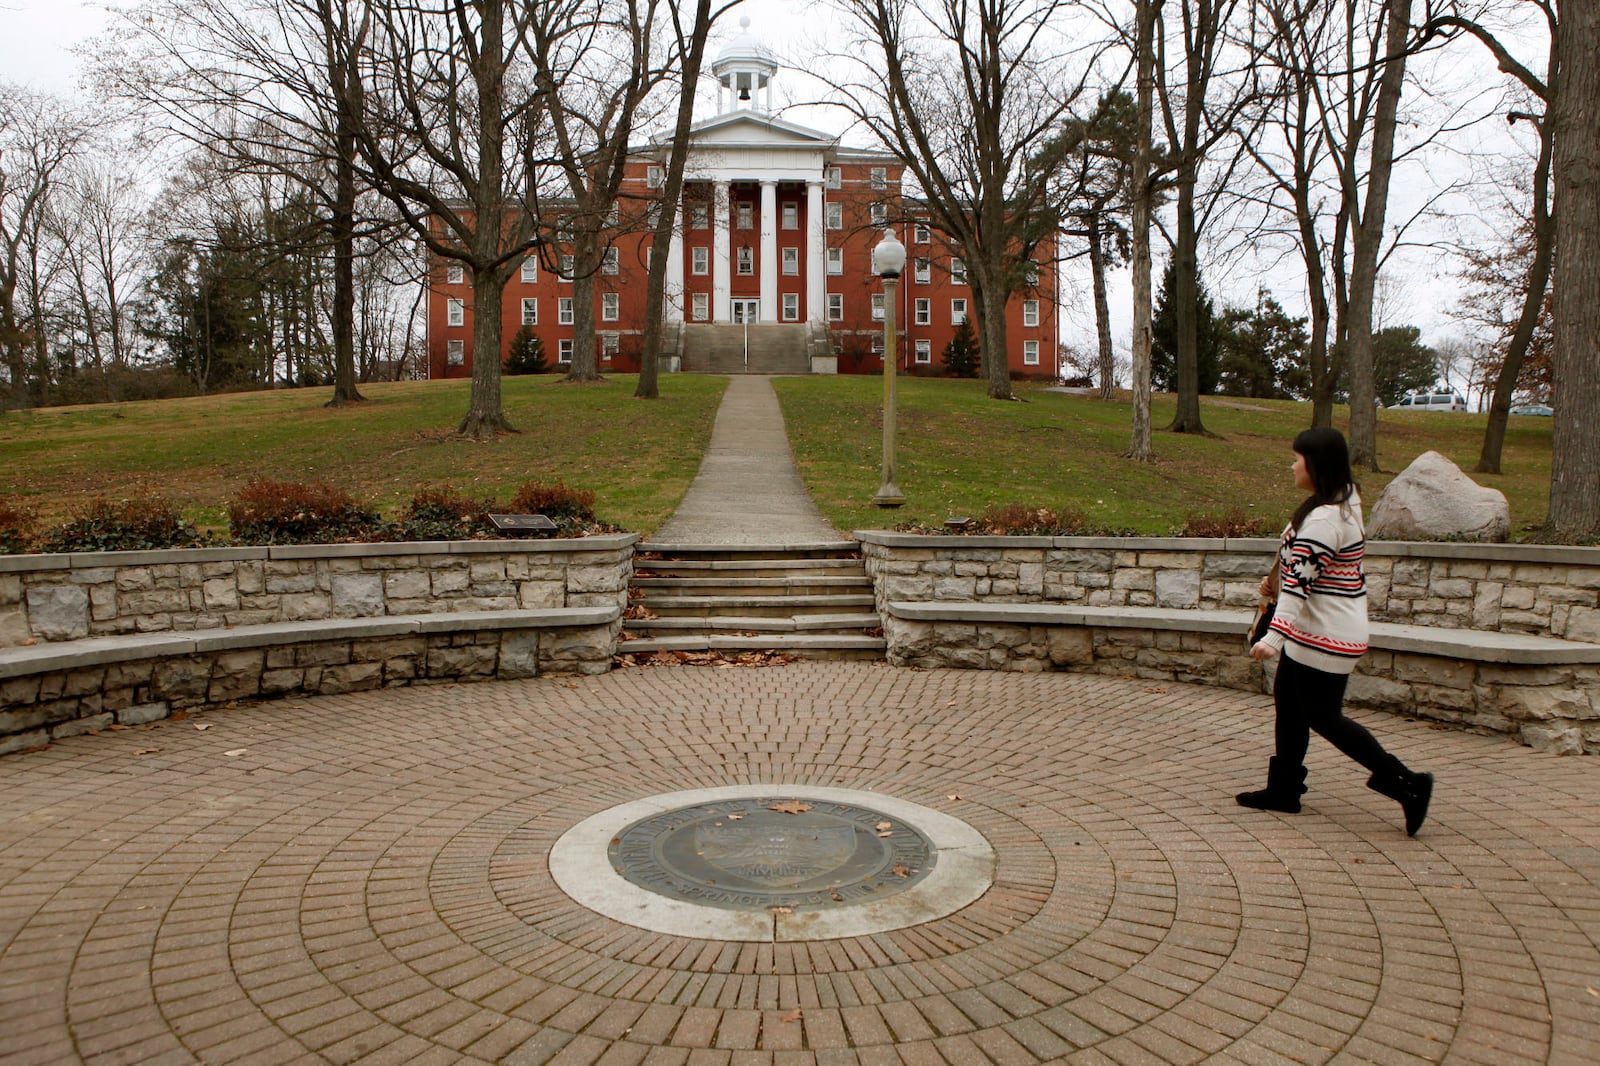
781 851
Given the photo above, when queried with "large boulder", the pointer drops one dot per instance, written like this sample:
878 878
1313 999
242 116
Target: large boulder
1433 500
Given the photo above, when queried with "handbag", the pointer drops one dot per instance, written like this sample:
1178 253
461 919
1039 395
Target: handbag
1262 622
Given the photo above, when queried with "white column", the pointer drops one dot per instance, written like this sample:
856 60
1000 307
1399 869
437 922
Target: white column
816 255
721 267
769 251
674 303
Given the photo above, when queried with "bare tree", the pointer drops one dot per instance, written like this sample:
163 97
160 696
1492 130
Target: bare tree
963 91
1575 120
1143 189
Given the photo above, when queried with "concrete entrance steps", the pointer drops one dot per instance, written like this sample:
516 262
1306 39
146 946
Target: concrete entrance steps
809 600
775 348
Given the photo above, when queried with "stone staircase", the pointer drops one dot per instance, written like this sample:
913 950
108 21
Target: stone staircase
775 348
813 601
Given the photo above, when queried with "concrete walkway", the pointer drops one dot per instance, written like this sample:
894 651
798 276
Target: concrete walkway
364 879
747 490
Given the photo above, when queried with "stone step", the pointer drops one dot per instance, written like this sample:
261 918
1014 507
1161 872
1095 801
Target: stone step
649 553
741 585
798 624
764 606
823 567
810 646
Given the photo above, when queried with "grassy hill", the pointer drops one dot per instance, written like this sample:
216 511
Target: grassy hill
958 452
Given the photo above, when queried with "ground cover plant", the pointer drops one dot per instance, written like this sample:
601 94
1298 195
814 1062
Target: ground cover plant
636 456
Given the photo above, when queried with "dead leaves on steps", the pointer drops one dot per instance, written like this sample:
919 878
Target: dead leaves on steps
721 659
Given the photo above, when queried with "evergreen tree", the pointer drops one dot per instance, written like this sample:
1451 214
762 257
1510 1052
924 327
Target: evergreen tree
1262 351
961 355
1164 331
1401 363
526 355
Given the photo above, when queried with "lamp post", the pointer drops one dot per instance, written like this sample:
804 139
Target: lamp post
888 259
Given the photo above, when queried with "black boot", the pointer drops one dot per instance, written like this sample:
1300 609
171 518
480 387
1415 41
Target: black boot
1285 785
1411 791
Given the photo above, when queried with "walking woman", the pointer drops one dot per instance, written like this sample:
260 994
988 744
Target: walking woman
1320 625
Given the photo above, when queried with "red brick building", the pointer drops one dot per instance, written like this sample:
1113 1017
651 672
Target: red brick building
776 226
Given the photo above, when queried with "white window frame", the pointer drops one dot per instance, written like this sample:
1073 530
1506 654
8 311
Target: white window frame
700 215
791 261
877 345
878 213
568 264
1030 313
920 234
530 310
835 307
744 215
700 307
924 354
564 311
958 270
610 307
564 350
922 271
958 311
835 258
610 346
655 177
834 213
455 274
834 178
791 307
746 259
879 177
1030 353
530 270
455 353
791 215
612 263
455 311
878 306
700 260
922 313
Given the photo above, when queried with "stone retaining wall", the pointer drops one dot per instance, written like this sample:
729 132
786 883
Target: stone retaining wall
69 597
1510 588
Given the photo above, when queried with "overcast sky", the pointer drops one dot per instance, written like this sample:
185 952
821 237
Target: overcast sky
35 36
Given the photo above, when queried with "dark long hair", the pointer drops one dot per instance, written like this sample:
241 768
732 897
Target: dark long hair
1328 462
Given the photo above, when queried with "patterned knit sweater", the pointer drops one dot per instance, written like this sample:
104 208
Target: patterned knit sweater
1321 620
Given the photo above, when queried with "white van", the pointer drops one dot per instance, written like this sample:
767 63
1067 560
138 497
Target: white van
1431 401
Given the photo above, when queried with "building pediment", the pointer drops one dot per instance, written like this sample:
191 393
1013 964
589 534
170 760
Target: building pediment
753 129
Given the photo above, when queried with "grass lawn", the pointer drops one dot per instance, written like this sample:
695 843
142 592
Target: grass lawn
959 452
638 456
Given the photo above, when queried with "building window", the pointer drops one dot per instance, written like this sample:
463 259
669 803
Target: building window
877 307
745 215
877 345
835 215
530 270
791 216
879 213
958 312
610 307
835 177
564 350
700 259
791 307
1030 353
564 311
654 177
614 215
567 264
747 260
455 274
612 263
836 260
958 272
1030 312
1030 275
923 271
610 345
699 216
919 232
700 307
924 351
455 353
791 261
880 178
924 312
835 307
456 313
530 311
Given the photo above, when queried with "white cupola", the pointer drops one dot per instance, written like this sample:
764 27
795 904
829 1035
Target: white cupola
744 71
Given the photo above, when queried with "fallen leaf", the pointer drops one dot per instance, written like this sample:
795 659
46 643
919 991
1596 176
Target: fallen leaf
790 807
882 835
1161 690
792 1016
900 870
952 797
30 642
836 897
147 751
780 909
235 753
178 716
202 726
734 817
1592 991
881 826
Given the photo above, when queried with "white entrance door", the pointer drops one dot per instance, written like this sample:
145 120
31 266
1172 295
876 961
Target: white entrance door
746 311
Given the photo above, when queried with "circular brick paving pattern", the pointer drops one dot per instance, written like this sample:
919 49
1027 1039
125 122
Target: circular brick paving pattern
365 878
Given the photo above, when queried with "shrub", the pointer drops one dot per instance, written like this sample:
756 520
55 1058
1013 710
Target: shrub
961 355
1017 520
560 503
16 529
445 514
286 512
526 355
142 524
1234 523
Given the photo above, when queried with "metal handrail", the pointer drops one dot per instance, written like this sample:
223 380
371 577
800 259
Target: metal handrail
746 324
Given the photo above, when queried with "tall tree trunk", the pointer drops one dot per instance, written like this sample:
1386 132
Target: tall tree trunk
1368 242
343 225
586 267
1575 113
988 292
1186 308
1102 309
1139 446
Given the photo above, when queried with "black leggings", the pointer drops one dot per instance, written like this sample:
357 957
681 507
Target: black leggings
1307 699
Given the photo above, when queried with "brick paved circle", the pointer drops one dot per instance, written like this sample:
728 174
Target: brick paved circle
364 878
